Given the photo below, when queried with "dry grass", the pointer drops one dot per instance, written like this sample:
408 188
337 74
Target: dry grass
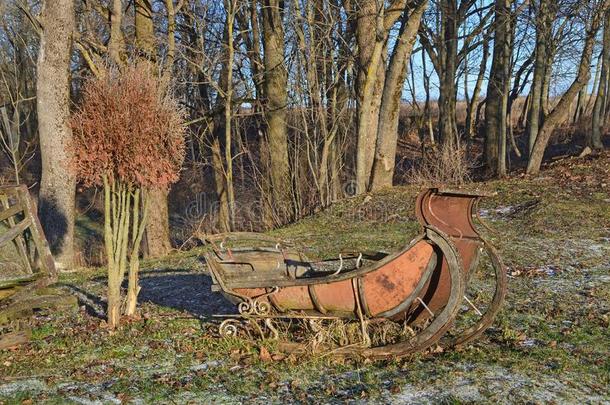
446 165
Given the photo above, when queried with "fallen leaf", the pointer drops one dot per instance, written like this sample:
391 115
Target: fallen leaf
264 354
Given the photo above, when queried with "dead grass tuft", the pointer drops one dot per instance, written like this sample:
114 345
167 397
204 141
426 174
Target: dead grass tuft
446 165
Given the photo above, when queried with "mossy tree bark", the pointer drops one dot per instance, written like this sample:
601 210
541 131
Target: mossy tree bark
371 40
373 21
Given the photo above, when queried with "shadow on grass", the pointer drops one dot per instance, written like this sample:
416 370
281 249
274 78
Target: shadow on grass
182 290
93 303
190 292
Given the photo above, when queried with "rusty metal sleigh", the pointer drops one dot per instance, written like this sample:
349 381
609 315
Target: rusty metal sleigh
423 286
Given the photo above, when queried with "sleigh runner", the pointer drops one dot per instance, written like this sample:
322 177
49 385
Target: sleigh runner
423 286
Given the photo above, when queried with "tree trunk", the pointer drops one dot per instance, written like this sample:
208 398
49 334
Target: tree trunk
449 60
370 40
535 109
562 109
57 185
275 91
387 137
497 91
171 35
598 70
140 206
145 36
224 215
157 229
228 110
594 138
472 104
116 43
581 104
158 240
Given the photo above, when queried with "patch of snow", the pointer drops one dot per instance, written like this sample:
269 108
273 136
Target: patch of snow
28 385
207 365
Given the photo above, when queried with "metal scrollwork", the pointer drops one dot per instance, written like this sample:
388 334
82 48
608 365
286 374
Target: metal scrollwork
262 308
228 328
246 307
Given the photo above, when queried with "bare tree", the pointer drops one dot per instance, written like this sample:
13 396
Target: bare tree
440 36
593 15
387 132
600 108
543 32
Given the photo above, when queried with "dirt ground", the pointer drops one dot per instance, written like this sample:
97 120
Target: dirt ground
550 344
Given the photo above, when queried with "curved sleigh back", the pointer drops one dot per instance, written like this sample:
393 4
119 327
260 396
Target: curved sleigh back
452 213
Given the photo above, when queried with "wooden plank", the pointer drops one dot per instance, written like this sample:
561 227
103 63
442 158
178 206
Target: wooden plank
7 213
38 234
20 241
26 306
12 282
14 232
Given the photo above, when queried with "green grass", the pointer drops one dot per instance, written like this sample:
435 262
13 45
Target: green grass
550 343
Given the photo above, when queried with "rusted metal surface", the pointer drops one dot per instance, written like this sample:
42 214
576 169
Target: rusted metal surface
423 284
451 212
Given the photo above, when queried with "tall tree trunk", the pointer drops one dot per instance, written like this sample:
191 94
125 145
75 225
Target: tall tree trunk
387 137
116 43
474 101
449 60
57 185
598 70
275 91
370 39
535 108
561 111
228 109
594 138
497 91
158 240
372 26
171 35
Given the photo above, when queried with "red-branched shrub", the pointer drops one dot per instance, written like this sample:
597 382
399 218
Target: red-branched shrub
129 128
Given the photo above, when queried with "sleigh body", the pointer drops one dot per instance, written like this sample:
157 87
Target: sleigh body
421 284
